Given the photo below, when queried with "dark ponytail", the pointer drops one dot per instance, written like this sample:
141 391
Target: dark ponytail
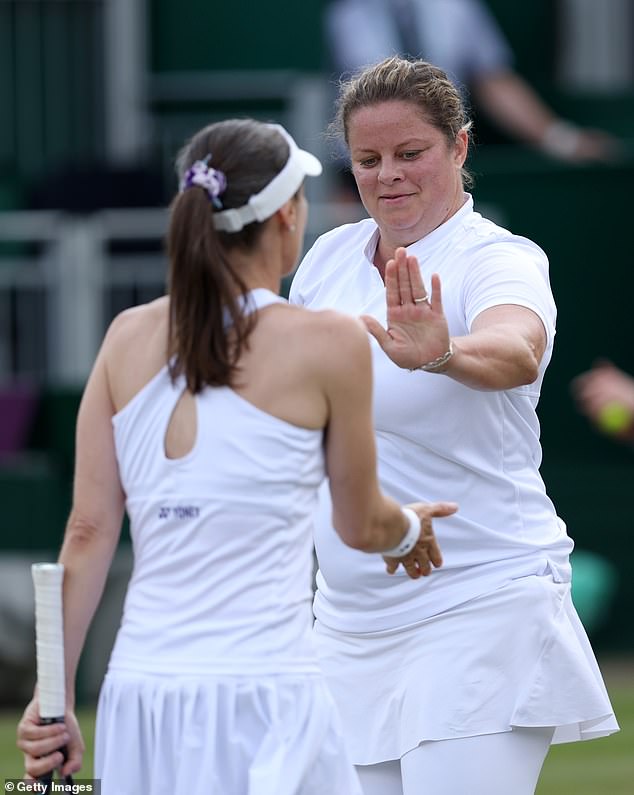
208 330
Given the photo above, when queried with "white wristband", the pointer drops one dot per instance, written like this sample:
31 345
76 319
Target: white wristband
408 542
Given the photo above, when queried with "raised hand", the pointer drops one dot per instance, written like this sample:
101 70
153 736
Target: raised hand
417 330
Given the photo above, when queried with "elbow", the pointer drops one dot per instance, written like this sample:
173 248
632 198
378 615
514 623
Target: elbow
81 533
363 541
531 358
529 368
355 533
525 371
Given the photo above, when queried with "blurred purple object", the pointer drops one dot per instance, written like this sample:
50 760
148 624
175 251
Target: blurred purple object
18 403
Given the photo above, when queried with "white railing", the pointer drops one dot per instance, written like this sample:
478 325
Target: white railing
63 278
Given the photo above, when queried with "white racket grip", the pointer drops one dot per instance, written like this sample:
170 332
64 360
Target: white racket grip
49 638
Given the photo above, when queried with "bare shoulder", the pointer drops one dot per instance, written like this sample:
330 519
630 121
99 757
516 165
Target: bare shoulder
139 336
327 327
328 343
135 348
136 323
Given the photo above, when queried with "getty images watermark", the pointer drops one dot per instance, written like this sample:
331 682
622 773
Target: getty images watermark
92 786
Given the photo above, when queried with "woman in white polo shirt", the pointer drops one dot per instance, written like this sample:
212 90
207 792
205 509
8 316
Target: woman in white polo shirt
458 685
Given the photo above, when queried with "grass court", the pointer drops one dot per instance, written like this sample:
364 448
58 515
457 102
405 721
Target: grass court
599 767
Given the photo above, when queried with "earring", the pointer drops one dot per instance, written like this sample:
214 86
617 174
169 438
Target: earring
292 228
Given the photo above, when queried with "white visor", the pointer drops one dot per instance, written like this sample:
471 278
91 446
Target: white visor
300 164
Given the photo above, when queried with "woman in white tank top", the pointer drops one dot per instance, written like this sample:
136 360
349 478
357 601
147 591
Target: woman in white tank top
212 416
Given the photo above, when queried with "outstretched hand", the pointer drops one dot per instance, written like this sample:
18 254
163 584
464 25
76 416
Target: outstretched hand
41 744
426 554
605 394
417 330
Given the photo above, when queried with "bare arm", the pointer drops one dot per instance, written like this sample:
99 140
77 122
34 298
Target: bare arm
502 351
517 108
91 537
94 525
364 517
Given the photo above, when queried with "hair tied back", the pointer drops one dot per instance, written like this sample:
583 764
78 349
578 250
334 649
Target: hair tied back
211 180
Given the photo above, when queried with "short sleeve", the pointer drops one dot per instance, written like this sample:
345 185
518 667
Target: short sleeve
510 273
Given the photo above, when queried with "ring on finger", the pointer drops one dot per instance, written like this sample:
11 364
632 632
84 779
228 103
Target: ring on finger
421 300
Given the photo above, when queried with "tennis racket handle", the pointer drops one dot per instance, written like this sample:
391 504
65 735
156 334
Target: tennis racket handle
47 778
49 638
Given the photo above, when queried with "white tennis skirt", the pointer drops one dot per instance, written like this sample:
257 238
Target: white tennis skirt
518 656
221 735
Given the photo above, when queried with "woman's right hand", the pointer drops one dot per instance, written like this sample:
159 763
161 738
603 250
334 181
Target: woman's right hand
417 331
41 744
426 554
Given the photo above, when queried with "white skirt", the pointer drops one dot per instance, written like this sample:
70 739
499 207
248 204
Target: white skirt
518 656
220 735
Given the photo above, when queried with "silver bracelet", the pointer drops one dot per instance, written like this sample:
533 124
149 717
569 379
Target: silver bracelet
436 364
408 542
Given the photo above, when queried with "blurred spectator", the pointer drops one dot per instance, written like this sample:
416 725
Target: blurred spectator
605 394
464 39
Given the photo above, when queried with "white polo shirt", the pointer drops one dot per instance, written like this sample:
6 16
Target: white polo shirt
438 439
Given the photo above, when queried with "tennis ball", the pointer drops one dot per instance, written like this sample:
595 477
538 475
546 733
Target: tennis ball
614 418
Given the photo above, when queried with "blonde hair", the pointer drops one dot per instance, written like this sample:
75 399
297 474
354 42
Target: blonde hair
420 83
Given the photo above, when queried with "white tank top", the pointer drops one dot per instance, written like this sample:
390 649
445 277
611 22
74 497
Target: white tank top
222 538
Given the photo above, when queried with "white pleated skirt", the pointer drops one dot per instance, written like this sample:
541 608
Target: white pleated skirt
220 735
518 656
